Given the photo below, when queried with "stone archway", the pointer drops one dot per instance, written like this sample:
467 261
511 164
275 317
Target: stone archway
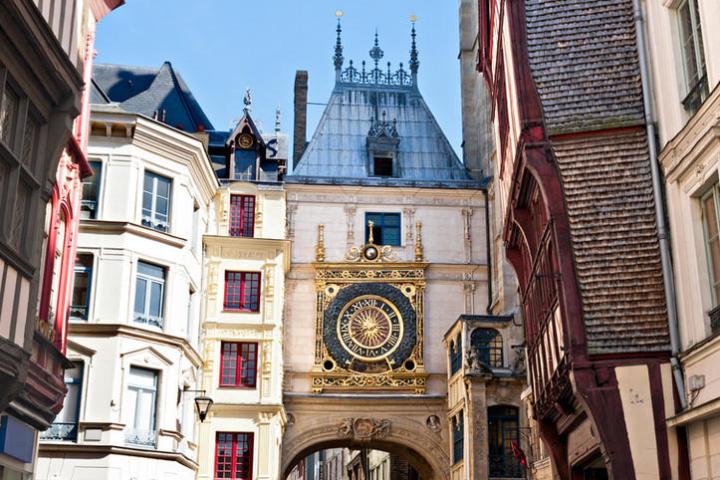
414 428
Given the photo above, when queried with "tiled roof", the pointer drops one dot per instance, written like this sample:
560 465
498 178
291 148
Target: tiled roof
157 93
338 152
583 57
609 197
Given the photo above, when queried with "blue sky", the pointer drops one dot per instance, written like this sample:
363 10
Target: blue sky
222 47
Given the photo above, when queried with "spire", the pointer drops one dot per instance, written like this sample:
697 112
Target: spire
338 59
414 62
247 100
277 120
376 52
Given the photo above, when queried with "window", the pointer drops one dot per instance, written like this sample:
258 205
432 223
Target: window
383 166
242 291
503 431
487 344
239 364
80 302
141 406
65 426
711 224
693 55
156 202
242 215
88 206
458 436
385 230
149 293
9 112
456 355
234 455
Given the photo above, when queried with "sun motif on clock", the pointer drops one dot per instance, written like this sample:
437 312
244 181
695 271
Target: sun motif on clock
245 141
370 327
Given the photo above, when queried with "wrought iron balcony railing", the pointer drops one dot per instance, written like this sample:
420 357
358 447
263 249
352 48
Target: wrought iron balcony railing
61 431
143 438
79 312
150 320
715 319
697 95
505 466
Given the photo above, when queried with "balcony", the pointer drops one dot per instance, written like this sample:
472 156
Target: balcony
151 320
78 312
155 224
697 95
61 431
141 438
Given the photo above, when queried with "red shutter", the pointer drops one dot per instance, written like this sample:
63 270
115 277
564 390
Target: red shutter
242 291
234 455
242 215
238 364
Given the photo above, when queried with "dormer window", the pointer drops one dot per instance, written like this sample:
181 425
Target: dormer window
383 166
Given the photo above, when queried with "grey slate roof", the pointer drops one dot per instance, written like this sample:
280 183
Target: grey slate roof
338 151
158 93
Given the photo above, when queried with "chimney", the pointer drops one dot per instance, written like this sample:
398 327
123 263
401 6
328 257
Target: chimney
300 129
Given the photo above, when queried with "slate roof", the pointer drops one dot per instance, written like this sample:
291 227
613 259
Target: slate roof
609 197
159 93
583 57
338 151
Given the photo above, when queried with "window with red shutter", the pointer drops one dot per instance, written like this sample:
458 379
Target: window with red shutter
242 291
233 455
239 364
242 215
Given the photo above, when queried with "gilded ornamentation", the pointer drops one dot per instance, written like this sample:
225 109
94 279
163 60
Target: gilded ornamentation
320 249
364 429
419 254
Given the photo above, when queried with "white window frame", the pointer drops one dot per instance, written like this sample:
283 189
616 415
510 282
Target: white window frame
144 316
150 220
137 437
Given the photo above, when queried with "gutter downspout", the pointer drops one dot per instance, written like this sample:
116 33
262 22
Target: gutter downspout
665 256
489 252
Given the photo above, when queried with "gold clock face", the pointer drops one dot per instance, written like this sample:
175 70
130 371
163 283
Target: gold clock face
245 141
370 328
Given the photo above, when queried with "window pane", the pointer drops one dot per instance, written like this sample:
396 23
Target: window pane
142 377
156 298
90 192
140 295
81 287
151 270
8 116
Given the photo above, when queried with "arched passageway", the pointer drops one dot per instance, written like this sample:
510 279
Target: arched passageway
415 431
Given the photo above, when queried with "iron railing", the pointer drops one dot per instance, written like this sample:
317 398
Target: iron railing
61 431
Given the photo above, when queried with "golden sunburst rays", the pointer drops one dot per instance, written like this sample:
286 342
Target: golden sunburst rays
370 327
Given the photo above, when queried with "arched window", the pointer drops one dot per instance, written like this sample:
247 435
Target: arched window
455 355
503 431
458 436
488 344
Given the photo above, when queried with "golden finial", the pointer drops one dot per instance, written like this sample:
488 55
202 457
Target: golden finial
419 256
320 249
338 13
371 236
413 18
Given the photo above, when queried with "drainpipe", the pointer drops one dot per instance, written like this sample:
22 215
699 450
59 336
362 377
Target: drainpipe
489 252
668 278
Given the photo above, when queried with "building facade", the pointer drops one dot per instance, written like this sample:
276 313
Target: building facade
247 257
685 73
573 177
389 251
133 336
45 58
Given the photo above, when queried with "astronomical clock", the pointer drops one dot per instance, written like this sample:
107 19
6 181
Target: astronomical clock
369 320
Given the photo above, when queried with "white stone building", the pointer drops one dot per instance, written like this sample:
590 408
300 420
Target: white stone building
246 260
135 308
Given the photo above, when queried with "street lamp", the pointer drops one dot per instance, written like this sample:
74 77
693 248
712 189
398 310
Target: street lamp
203 403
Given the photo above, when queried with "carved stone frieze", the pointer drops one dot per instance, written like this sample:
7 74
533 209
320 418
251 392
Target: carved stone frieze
364 429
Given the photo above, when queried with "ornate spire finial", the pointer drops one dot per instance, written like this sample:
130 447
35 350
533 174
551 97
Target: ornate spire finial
371 235
339 59
419 254
376 52
320 249
247 100
414 62
277 120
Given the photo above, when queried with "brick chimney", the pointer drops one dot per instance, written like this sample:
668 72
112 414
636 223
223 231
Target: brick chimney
300 129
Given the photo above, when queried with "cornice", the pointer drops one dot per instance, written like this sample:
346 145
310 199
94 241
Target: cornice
234 245
333 194
112 227
69 449
170 143
121 330
698 137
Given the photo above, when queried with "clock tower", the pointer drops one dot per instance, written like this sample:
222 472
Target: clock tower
369 319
